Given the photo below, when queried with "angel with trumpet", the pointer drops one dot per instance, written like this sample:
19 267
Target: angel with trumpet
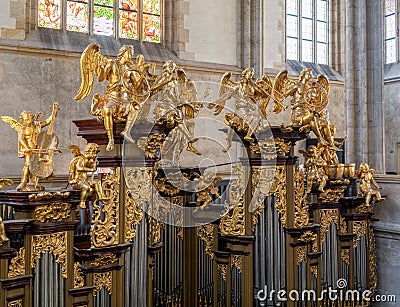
127 89
309 99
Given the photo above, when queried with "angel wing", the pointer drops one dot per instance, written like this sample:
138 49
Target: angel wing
322 100
265 84
76 151
92 62
39 116
16 125
281 84
227 86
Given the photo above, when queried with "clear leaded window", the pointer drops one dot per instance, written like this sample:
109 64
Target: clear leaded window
132 19
307 30
391 37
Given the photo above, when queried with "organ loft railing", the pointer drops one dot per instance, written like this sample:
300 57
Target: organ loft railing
244 224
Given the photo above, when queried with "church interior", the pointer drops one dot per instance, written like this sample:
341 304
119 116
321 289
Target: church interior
199 153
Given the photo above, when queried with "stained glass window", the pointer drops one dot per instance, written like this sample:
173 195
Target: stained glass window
49 14
131 19
391 39
307 30
77 16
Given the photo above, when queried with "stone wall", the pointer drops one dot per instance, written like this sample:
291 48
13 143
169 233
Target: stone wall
387 234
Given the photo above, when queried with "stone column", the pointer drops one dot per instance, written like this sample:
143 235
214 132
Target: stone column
364 82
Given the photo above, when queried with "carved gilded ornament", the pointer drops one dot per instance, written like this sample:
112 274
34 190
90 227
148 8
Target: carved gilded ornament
138 181
15 303
105 260
17 264
105 218
133 216
301 216
328 216
264 147
262 180
162 185
343 225
280 193
154 143
177 211
360 229
301 254
314 270
56 244
223 269
373 272
48 195
233 222
308 237
282 148
331 195
79 280
102 280
237 261
53 213
206 234
154 233
345 256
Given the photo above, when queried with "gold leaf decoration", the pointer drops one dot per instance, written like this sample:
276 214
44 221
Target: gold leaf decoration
223 269
360 229
343 225
104 228
328 216
102 280
331 195
280 192
345 256
300 201
17 264
308 237
52 213
105 260
48 195
301 253
79 281
282 148
15 303
56 244
237 261
232 221
153 144
206 233
373 272
314 270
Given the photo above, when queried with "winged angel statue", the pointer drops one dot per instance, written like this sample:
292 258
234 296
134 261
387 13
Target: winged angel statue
128 87
246 92
309 99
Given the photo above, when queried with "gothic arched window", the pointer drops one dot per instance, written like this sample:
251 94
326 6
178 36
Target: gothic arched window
391 39
132 19
307 30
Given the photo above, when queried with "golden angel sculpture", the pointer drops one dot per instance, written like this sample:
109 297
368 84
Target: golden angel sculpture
176 104
35 146
80 166
366 176
127 88
245 116
314 169
309 99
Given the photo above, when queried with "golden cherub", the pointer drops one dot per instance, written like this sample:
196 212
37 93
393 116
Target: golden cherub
28 129
127 88
366 176
309 99
314 168
80 166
